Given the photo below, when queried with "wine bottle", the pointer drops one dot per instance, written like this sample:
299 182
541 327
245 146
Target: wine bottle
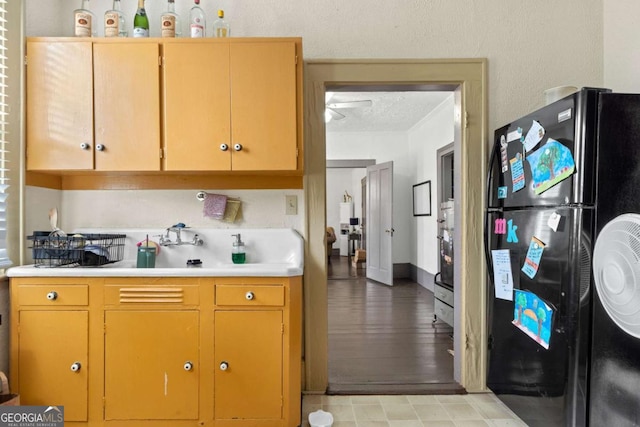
114 22
84 21
170 21
197 20
220 26
141 21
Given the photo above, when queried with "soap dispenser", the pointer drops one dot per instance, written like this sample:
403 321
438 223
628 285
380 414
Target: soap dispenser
238 256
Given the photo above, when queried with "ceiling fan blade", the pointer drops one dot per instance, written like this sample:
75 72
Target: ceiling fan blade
351 104
335 115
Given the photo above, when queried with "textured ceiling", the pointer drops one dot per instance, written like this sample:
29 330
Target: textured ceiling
389 111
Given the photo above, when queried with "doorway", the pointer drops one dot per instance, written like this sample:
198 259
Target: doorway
468 78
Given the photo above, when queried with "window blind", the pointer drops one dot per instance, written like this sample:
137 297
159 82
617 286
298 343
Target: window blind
4 113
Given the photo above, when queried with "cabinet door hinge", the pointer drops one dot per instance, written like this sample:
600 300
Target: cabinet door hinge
466 119
297 152
296 59
282 328
160 61
25 60
161 153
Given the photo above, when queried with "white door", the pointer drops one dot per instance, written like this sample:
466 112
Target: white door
379 228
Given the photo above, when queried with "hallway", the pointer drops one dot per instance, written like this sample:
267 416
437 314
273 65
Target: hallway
382 339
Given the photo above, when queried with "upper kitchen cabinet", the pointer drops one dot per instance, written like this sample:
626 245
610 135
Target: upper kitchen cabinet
232 105
59 106
126 78
92 106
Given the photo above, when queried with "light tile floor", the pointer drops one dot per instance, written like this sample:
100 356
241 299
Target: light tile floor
470 410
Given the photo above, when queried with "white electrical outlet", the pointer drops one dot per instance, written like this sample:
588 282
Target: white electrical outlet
291 205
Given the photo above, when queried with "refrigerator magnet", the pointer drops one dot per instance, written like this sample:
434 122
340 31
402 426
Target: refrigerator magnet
550 164
502 275
554 221
517 172
533 137
514 135
502 192
534 254
504 158
533 316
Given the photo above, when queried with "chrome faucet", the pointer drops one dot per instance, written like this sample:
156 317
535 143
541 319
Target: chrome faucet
165 240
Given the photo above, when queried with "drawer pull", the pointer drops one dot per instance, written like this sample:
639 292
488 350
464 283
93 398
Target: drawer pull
52 296
188 366
224 366
75 367
249 296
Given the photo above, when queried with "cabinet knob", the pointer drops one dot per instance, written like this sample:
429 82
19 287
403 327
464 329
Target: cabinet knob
100 147
52 296
188 366
224 147
237 147
84 146
249 296
75 367
224 366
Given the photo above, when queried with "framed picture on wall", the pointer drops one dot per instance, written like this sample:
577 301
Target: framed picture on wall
422 199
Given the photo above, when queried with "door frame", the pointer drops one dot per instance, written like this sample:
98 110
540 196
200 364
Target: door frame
440 154
468 78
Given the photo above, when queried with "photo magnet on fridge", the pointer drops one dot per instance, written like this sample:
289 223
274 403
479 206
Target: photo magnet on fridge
517 172
533 317
550 164
534 255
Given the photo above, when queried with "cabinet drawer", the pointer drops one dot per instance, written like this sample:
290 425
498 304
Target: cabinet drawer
444 312
151 295
52 295
250 295
443 294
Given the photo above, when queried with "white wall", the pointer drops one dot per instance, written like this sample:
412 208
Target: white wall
433 132
621 47
340 180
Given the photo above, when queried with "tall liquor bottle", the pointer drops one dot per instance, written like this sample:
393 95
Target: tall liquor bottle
84 21
141 21
114 22
170 21
197 20
221 27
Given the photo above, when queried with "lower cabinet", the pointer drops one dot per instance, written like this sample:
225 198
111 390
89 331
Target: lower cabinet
152 363
161 352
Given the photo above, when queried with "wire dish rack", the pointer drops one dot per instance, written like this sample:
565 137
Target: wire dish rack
86 250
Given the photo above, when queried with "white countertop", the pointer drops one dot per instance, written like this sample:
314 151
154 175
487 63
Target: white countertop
270 253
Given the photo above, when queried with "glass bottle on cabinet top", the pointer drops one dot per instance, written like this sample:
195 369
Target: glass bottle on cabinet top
141 21
220 26
170 21
114 22
84 21
197 21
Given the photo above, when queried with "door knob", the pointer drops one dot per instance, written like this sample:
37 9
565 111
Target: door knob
75 367
224 147
224 366
188 366
52 296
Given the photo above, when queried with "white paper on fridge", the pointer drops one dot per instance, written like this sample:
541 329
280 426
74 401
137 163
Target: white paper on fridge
502 275
534 136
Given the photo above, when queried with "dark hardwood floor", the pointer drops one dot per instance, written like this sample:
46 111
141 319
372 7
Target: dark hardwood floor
382 339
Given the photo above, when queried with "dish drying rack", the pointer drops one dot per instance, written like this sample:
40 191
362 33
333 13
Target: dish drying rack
86 250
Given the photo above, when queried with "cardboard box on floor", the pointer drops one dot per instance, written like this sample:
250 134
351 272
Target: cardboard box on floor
359 258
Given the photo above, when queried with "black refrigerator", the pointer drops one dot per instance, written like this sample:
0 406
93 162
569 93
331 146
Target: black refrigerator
539 227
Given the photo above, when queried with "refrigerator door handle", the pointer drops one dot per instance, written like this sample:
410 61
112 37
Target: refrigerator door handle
486 214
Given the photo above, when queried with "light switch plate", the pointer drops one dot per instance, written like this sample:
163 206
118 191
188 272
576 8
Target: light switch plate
291 205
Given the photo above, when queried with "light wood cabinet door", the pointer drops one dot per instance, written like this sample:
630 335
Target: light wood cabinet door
127 106
59 106
263 106
196 106
248 365
50 345
146 371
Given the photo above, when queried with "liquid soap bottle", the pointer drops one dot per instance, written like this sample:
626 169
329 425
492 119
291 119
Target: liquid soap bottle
238 256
